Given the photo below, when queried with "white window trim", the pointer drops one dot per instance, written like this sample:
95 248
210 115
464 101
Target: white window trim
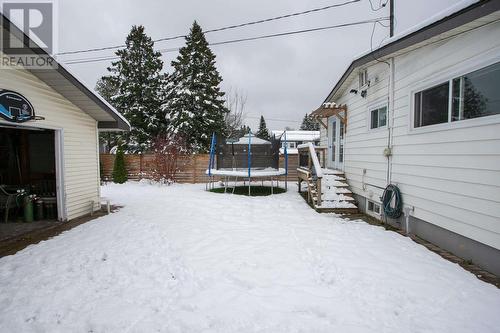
365 72
373 213
377 105
460 70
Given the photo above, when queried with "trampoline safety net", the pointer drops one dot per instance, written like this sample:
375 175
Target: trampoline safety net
234 155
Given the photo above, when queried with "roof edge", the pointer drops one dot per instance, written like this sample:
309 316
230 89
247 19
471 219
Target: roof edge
121 122
452 21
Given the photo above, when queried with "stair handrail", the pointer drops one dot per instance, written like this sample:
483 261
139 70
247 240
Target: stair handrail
314 158
318 171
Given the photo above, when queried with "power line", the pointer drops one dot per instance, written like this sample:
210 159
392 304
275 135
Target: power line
276 119
222 28
380 5
232 41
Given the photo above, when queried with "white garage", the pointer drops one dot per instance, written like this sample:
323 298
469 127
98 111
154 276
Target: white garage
49 124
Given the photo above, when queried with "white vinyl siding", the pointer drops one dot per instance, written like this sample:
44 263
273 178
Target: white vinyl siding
451 175
81 166
449 172
363 147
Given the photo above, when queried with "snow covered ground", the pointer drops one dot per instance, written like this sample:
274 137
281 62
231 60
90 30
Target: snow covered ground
179 259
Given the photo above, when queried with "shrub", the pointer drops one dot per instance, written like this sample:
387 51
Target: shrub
167 148
120 175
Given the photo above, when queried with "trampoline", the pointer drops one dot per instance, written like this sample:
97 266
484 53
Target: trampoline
246 159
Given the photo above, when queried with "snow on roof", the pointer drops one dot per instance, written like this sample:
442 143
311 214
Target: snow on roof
253 140
417 34
299 135
434 18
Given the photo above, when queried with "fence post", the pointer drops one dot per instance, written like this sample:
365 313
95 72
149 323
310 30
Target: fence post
194 168
140 164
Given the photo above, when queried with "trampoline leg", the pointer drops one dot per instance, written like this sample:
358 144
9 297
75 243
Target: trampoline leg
249 183
225 185
272 184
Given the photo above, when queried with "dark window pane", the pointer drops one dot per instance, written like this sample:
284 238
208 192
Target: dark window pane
457 101
334 141
480 92
341 151
374 119
431 105
382 116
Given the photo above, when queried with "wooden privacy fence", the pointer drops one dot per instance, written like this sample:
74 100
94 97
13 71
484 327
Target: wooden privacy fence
191 168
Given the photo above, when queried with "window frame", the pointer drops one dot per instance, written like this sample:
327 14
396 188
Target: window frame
363 73
372 212
376 106
459 70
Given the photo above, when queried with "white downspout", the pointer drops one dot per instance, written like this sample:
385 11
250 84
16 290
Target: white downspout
390 120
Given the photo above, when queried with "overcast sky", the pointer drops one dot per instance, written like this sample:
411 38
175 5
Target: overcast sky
283 77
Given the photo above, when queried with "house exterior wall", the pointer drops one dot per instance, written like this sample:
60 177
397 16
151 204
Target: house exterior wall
449 173
79 138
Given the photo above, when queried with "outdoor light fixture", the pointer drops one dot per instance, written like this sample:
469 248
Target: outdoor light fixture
353 91
363 93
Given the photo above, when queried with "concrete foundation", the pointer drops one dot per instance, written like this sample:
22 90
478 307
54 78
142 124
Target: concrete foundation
480 254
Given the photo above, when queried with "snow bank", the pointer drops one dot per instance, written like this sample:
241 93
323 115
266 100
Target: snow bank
179 259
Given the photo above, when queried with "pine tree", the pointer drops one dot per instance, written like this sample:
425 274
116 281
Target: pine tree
263 132
309 124
120 174
195 104
107 90
138 81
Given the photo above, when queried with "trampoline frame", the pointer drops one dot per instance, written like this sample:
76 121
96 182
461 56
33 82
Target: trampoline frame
246 173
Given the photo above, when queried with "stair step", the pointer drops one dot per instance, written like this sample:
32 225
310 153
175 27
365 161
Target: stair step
344 198
339 190
338 179
332 172
342 211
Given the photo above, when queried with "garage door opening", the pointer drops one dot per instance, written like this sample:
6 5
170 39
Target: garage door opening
28 173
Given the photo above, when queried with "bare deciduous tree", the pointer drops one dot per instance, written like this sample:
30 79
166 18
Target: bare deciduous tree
235 103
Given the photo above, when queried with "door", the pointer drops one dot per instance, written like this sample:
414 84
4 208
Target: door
335 144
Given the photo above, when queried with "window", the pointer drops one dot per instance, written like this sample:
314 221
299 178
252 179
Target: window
431 105
373 208
477 94
378 117
289 144
363 78
469 96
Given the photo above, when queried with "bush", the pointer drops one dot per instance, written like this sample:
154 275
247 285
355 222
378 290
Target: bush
167 148
120 175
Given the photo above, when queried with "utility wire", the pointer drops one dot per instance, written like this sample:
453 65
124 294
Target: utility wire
222 28
232 41
380 5
275 119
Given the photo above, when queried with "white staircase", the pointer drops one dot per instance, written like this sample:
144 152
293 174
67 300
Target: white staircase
327 189
336 196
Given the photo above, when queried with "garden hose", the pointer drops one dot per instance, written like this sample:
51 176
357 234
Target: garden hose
392 195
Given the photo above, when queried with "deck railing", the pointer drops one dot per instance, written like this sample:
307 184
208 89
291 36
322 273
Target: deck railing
310 170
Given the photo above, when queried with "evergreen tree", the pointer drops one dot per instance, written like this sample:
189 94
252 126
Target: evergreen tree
309 124
195 104
242 131
120 174
107 90
138 82
263 132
